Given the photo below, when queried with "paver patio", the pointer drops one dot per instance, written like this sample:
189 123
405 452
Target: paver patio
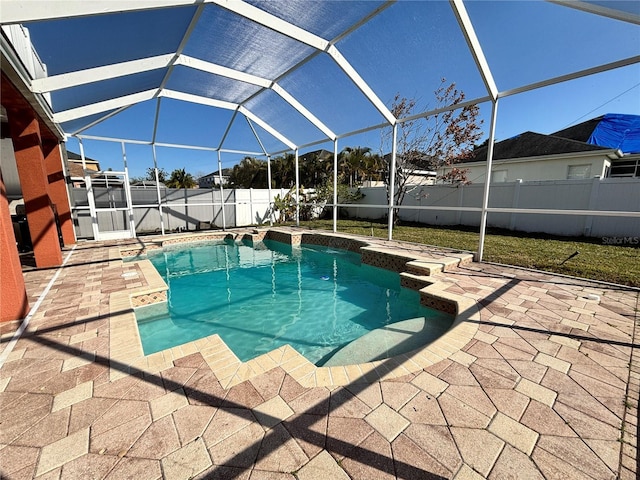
547 388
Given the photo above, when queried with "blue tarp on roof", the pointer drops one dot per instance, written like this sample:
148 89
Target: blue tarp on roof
617 130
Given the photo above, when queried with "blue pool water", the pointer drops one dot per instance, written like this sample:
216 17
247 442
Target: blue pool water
257 299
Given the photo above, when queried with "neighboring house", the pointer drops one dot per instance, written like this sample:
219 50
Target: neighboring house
98 179
321 155
601 147
147 184
212 179
417 176
76 172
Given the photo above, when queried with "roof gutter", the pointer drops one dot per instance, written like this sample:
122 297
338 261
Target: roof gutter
611 154
614 155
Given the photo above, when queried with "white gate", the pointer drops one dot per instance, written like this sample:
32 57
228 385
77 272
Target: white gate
109 196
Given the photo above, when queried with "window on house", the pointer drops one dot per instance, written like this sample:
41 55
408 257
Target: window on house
626 168
578 172
498 176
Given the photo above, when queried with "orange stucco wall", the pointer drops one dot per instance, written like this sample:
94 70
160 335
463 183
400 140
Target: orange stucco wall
13 296
58 190
27 144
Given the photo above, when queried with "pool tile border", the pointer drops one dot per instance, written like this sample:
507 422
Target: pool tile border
127 356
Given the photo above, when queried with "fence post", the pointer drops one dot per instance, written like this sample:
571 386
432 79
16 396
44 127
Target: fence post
460 203
514 203
593 200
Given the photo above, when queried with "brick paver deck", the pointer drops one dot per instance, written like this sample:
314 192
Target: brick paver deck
547 388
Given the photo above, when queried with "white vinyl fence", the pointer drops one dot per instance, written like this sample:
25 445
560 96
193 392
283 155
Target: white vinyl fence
609 194
192 209
182 209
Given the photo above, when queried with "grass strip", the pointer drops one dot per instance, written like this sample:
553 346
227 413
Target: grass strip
595 260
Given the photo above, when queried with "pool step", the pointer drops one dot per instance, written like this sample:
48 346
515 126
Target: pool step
429 266
416 282
431 291
413 262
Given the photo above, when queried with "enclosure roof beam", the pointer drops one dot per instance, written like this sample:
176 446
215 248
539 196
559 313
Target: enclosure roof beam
287 97
255 80
571 76
97 74
247 113
104 106
274 23
99 120
255 134
228 129
292 31
21 11
470 36
599 9
366 90
81 77
227 72
188 97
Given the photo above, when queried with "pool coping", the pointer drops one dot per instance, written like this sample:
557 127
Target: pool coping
126 348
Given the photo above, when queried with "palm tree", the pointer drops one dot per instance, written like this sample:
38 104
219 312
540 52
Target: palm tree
249 173
181 179
352 163
284 170
374 167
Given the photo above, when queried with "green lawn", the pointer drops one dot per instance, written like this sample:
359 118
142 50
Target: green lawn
596 261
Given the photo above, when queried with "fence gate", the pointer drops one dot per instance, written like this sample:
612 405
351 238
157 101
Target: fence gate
110 204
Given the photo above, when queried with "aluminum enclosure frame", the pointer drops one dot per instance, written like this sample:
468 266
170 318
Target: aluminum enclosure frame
16 11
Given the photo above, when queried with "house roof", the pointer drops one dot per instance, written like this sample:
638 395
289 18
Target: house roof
225 172
74 164
74 156
613 130
610 131
321 154
76 170
531 144
580 132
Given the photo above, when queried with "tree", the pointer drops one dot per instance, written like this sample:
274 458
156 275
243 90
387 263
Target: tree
249 173
314 171
162 175
181 179
443 139
150 176
283 170
353 164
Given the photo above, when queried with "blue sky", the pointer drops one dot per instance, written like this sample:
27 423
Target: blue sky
407 50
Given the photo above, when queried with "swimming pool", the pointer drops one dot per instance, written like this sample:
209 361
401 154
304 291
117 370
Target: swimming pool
260 297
